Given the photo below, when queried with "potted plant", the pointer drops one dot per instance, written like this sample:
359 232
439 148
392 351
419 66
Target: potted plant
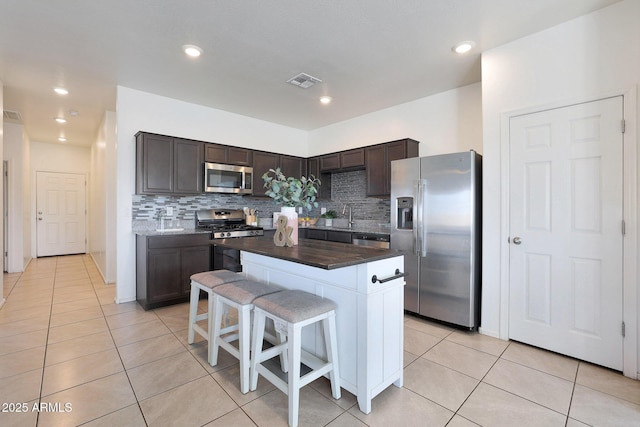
328 217
290 193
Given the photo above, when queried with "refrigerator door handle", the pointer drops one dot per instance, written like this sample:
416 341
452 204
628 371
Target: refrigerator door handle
417 220
422 217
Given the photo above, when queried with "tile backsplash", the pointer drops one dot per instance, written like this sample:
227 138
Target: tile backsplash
346 188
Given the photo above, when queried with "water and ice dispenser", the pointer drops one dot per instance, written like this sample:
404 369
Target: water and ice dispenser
404 216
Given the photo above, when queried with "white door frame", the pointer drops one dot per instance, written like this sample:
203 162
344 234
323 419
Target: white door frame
631 303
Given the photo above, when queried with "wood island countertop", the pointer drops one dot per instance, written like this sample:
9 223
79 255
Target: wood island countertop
315 253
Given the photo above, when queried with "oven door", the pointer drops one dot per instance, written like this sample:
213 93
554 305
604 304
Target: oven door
220 178
224 258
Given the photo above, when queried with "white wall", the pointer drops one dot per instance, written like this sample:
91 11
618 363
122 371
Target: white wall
594 55
15 153
101 230
27 211
47 157
141 111
444 123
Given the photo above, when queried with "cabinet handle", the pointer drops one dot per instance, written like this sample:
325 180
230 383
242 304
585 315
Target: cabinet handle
397 275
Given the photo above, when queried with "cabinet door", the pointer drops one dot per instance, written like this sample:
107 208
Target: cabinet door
316 234
193 260
293 166
163 275
188 166
376 170
239 156
215 153
313 166
338 236
330 162
352 159
262 162
154 164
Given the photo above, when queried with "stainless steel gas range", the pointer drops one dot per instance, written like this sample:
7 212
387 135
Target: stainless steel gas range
225 224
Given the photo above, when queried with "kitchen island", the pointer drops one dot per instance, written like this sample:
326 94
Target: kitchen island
367 286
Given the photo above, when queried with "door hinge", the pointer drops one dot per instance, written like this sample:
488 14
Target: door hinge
623 329
623 125
624 227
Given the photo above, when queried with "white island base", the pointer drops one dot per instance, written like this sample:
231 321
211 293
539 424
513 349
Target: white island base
369 317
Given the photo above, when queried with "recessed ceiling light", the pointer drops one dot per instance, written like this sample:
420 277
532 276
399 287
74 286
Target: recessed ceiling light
61 91
463 47
325 99
61 120
62 139
192 50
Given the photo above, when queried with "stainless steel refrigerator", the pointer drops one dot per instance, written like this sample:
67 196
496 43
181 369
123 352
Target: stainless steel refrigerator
436 205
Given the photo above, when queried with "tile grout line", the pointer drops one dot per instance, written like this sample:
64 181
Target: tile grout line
119 357
46 343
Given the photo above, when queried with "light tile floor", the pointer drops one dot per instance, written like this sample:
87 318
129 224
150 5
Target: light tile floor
70 356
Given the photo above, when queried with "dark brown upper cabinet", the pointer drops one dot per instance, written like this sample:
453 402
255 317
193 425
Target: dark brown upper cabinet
343 161
352 159
378 164
167 165
217 153
263 161
313 168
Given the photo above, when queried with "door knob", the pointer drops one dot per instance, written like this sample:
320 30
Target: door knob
39 219
516 241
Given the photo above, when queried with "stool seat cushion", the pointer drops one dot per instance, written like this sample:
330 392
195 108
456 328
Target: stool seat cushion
245 291
294 305
211 279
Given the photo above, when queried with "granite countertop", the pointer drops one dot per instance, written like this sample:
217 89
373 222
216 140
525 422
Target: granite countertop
315 253
371 229
170 232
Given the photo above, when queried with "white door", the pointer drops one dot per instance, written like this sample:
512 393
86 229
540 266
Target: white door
566 182
60 209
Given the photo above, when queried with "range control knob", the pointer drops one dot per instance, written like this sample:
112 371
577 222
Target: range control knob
229 234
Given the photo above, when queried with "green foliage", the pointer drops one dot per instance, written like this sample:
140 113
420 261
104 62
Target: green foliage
329 214
292 192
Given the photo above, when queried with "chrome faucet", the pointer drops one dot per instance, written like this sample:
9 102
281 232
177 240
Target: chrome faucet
344 209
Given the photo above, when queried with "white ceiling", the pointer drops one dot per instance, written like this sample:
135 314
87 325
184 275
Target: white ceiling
369 54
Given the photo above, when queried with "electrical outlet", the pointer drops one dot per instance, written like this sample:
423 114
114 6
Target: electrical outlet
170 210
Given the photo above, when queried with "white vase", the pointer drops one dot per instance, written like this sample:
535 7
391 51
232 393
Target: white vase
292 221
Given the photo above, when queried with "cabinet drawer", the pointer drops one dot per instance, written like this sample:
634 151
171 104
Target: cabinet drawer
317 234
339 236
180 241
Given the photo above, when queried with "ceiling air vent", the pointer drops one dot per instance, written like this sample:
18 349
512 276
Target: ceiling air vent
12 115
303 80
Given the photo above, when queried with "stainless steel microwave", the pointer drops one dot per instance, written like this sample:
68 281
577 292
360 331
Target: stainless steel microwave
219 178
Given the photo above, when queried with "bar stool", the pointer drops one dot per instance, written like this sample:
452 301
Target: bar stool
206 281
290 310
239 295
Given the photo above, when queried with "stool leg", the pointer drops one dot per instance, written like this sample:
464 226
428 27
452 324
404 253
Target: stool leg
256 347
244 331
193 311
331 344
215 320
294 349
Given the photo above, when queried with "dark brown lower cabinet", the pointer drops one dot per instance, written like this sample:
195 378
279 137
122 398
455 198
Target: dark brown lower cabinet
164 265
